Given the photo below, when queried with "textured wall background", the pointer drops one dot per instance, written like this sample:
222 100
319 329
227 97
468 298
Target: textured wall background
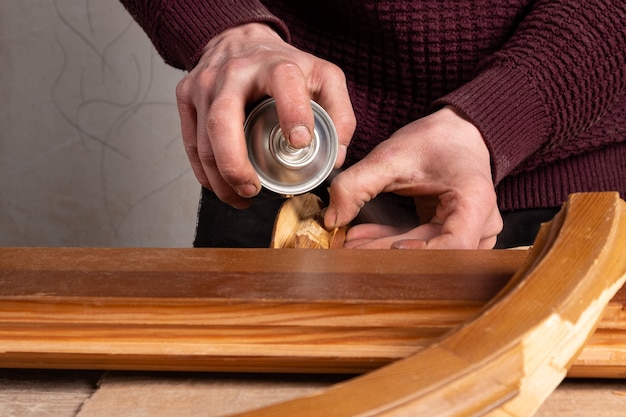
90 148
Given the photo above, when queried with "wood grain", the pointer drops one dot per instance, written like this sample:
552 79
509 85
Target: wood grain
507 360
300 224
225 309
254 309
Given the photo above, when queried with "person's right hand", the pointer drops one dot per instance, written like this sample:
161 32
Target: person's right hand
239 67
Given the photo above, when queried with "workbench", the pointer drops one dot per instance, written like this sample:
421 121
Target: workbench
39 393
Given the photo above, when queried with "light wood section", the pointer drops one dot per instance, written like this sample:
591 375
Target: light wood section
300 224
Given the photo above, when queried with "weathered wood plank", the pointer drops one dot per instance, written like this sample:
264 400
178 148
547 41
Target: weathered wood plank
141 394
45 393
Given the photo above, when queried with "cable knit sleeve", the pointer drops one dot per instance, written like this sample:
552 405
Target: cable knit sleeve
179 29
560 72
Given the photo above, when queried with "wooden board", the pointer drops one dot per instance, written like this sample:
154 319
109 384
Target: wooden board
211 395
228 310
45 393
253 310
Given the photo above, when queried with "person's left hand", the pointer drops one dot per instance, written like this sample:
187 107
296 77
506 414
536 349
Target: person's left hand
442 158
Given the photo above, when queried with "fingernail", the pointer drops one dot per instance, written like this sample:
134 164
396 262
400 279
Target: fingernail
247 190
408 244
341 155
299 137
398 245
330 219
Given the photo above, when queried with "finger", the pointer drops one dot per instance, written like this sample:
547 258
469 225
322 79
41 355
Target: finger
352 188
409 244
465 221
287 84
356 243
488 243
209 168
188 122
491 233
372 231
421 233
227 160
192 105
334 97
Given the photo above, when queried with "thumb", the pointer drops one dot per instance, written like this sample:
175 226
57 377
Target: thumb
350 190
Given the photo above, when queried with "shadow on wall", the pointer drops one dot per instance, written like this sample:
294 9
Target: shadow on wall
90 148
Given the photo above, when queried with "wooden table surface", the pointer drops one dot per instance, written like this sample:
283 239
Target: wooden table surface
40 393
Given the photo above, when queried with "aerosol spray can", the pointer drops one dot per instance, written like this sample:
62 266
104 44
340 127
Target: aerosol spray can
281 168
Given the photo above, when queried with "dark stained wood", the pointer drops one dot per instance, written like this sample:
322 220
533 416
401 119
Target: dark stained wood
254 274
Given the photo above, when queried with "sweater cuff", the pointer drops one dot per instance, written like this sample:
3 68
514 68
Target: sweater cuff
190 25
507 108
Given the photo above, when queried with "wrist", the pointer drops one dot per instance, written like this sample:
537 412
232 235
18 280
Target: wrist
468 128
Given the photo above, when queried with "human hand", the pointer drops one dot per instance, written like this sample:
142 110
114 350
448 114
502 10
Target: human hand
442 157
239 67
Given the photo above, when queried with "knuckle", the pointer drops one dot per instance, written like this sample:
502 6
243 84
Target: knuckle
200 80
205 155
182 88
347 120
284 67
286 72
217 116
191 148
234 66
333 72
213 122
467 243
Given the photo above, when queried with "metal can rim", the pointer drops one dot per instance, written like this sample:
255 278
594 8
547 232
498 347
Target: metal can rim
278 176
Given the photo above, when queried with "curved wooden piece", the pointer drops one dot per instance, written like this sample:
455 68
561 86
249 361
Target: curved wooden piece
510 358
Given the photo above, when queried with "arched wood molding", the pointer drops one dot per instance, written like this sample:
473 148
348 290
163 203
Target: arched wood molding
514 354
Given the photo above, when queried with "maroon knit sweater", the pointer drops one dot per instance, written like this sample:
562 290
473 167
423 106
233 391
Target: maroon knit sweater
544 81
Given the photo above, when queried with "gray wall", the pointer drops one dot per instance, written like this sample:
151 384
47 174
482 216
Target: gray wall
90 148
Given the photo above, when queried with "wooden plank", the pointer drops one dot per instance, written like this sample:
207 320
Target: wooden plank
115 308
141 394
252 310
44 393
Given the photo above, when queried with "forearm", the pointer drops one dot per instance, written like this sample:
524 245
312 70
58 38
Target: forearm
180 29
557 75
